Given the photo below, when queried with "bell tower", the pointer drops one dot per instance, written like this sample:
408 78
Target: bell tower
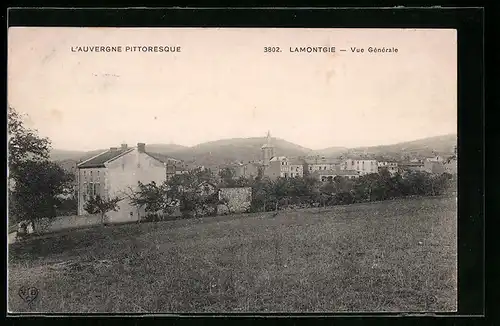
267 150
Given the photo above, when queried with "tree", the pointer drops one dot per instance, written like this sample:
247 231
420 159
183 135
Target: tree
23 144
36 185
154 198
227 175
259 194
101 206
277 190
441 183
186 189
37 190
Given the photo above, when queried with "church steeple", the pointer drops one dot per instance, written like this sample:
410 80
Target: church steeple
267 150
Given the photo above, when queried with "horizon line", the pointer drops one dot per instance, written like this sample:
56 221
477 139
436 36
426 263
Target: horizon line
307 148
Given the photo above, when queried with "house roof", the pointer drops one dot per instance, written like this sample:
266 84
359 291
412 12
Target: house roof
163 158
357 158
411 164
99 160
321 160
278 158
230 165
207 183
296 161
336 172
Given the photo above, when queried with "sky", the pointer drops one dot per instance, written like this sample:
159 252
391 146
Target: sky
223 85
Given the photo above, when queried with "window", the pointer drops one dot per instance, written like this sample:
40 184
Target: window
84 191
96 189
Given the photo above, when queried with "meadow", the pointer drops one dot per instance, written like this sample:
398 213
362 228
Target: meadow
396 255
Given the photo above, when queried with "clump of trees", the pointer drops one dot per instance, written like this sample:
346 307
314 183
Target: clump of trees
101 206
190 194
185 192
37 187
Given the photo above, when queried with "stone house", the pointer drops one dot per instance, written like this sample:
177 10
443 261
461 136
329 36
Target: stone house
435 167
238 200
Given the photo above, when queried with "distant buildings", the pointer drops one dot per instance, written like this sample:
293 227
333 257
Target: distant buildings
324 168
317 163
329 175
411 166
391 167
245 170
436 158
362 166
432 166
296 168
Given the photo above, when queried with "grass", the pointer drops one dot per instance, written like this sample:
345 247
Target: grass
387 256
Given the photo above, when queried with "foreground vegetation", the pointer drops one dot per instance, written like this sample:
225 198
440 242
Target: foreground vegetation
395 255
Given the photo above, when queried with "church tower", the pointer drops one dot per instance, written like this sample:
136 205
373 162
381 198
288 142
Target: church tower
267 150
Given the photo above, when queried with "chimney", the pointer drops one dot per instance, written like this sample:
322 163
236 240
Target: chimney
124 147
141 147
112 149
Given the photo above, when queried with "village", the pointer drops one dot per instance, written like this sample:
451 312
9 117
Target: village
117 171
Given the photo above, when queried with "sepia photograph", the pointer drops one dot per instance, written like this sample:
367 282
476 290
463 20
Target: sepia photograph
231 170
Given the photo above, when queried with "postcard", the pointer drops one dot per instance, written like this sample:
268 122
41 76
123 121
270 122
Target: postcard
232 170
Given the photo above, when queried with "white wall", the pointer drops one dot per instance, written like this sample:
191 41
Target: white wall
362 166
127 171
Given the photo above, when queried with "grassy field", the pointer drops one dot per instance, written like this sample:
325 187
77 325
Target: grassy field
388 256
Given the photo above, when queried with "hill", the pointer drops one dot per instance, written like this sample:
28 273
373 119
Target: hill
63 155
441 145
331 151
237 149
223 151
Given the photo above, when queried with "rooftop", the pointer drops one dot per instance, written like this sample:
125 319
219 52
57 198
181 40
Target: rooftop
163 158
278 158
99 160
296 162
411 164
336 172
322 161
